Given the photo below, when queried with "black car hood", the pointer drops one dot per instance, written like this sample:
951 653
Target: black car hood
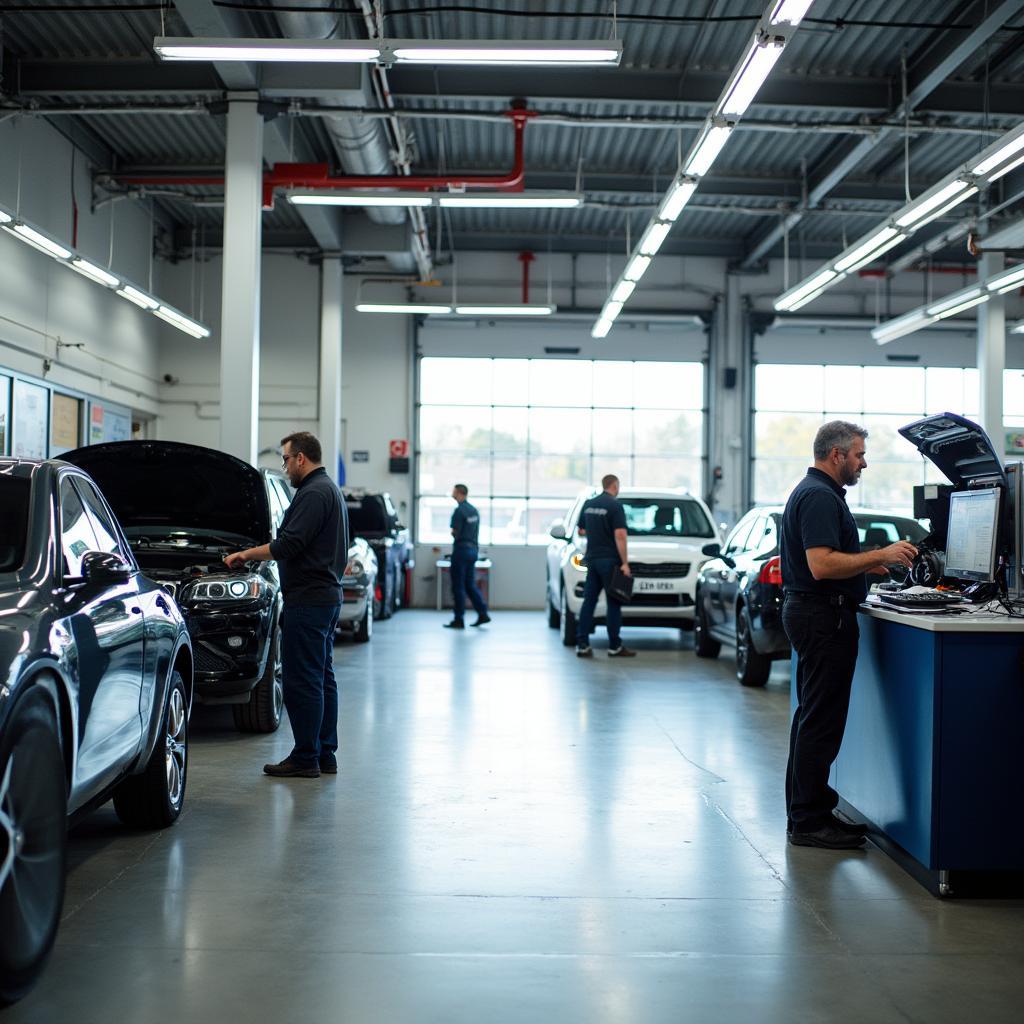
167 484
961 449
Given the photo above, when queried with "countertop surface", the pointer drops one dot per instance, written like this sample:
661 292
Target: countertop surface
986 618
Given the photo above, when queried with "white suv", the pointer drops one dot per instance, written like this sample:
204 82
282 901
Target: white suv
667 529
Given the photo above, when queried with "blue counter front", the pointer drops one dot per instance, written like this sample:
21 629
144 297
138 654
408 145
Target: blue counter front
932 752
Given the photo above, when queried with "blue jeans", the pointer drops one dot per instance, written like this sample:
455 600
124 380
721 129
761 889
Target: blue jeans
464 581
599 577
310 689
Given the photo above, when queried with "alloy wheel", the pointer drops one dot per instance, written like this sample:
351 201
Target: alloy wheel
177 747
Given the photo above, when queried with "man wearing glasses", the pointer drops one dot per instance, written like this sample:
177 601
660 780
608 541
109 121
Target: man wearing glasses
311 551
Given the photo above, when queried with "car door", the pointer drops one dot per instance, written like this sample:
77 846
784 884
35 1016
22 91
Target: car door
106 621
743 556
718 577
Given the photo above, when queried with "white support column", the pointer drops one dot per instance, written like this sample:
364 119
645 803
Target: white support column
992 353
240 313
728 403
332 284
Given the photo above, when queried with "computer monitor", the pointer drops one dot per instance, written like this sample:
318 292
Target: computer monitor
973 534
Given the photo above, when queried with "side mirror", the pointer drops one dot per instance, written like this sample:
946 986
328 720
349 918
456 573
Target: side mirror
557 530
105 567
711 550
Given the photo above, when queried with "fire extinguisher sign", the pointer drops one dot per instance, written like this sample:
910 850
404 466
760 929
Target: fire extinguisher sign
399 449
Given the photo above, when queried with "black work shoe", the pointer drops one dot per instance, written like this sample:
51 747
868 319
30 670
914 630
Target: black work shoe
621 652
584 652
329 765
851 828
482 620
289 769
455 624
828 837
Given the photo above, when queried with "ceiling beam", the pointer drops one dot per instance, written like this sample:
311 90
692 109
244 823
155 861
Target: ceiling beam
931 66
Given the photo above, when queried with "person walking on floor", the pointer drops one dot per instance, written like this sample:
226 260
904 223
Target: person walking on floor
311 551
823 570
465 548
603 523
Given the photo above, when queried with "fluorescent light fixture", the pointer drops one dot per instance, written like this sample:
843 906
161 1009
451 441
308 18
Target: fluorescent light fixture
39 241
183 323
901 325
304 51
94 273
521 310
623 290
611 309
918 213
1007 281
756 67
489 51
401 307
601 328
678 196
967 304
953 301
801 300
867 250
791 11
707 150
636 267
1019 329
653 237
1005 170
1003 152
141 299
5 218
524 200
795 298
359 199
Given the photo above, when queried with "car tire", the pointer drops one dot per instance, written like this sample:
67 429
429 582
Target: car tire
567 622
154 798
752 668
554 615
364 631
33 845
265 707
704 644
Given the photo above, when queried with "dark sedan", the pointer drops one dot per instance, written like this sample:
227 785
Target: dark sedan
95 694
739 591
375 518
183 508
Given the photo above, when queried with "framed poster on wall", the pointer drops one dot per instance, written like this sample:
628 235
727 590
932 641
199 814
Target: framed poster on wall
66 424
5 412
109 423
30 420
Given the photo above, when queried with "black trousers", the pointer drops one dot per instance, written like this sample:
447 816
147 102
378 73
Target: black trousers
825 640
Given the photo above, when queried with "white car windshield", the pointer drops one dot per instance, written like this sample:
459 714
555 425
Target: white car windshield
665 517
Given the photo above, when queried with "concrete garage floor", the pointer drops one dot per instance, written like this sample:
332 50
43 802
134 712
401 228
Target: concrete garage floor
515 835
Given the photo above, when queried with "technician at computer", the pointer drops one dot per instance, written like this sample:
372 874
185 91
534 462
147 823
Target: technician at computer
823 572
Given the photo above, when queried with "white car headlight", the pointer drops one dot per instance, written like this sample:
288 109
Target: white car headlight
232 588
577 562
355 568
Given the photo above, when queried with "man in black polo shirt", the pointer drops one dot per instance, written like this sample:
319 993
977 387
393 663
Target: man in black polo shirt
603 523
823 572
465 549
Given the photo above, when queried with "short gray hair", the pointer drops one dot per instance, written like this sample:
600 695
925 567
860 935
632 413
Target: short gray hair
836 434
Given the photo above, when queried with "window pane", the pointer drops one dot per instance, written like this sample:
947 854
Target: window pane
1013 394
440 470
559 430
775 478
652 471
972 392
76 536
455 381
613 383
844 387
613 430
786 435
435 516
667 386
511 429
509 474
507 523
541 513
885 443
448 427
102 527
888 485
561 382
511 381
893 389
666 431
554 476
945 388
789 387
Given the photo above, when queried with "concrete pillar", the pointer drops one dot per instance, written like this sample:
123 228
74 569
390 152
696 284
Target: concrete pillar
240 314
992 353
331 306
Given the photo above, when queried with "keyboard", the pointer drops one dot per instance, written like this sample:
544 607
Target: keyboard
929 599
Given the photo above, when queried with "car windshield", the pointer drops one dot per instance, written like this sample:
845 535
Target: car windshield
665 517
366 515
14 494
877 531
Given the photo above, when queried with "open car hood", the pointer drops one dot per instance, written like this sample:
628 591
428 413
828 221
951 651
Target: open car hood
164 484
961 449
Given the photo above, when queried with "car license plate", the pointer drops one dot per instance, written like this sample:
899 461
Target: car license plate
642 586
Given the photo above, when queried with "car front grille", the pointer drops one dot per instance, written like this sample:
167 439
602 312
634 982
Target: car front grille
207 661
660 601
649 569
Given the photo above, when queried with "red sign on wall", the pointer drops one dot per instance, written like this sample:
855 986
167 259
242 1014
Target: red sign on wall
399 449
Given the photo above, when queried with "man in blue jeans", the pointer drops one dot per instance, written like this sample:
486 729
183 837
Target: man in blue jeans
465 548
311 550
603 523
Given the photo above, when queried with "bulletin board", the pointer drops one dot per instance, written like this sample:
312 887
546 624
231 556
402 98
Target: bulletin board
30 420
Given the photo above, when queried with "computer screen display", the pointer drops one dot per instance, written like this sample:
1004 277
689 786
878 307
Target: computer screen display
972 536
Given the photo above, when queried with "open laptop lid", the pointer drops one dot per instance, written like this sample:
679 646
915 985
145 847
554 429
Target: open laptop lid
961 449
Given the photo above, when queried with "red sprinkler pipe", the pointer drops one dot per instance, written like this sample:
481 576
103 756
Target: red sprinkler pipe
318 175
526 258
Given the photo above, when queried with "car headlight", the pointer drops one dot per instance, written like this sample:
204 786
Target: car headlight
577 562
355 568
225 588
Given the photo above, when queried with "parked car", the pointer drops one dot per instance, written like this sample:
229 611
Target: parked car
183 508
666 529
373 517
739 591
95 695
358 586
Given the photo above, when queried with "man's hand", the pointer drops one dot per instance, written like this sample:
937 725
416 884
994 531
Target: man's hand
235 560
879 570
625 570
902 553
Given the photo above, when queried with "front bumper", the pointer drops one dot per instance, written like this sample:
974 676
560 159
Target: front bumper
652 608
229 649
353 607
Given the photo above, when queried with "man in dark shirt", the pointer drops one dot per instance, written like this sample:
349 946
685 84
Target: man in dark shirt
603 523
311 550
823 573
465 548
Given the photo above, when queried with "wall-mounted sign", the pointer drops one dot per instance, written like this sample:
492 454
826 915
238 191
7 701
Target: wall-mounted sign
398 449
96 423
5 411
1014 443
362 456
66 431
30 420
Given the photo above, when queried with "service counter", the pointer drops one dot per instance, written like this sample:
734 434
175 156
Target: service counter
933 749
